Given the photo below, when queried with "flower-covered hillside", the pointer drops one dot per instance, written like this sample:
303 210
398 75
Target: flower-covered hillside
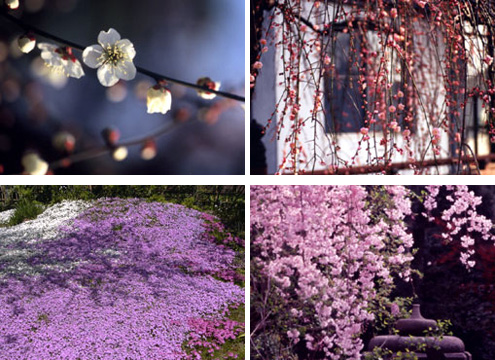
114 279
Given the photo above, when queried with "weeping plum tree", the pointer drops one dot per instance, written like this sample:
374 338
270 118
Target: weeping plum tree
375 86
327 259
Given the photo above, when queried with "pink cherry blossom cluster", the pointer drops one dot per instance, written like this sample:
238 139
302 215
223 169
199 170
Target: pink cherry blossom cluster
463 222
326 247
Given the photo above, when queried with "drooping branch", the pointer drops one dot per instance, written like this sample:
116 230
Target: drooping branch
372 70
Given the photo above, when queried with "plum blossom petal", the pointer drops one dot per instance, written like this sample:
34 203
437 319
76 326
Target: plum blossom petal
127 47
106 75
126 71
108 38
74 70
92 56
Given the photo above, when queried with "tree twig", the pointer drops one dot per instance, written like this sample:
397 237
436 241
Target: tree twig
103 150
155 76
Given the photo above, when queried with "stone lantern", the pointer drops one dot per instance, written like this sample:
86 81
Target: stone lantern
412 336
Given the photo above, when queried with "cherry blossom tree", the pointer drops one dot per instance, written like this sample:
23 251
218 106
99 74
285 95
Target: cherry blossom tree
327 260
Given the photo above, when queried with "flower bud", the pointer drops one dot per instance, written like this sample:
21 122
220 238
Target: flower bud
158 99
207 83
12 4
26 43
120 153
110 136
488 60
64 141
257 65
148 151
34 165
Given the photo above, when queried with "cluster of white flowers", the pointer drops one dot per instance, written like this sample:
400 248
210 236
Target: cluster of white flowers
44 228
5 215
112 57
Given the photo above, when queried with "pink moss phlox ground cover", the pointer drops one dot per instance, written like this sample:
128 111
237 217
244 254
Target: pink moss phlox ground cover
211 334
215 232
126 279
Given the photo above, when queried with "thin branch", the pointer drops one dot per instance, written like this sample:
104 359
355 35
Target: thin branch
104 150
155 76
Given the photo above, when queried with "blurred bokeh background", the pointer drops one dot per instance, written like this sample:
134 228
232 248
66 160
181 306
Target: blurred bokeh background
185 39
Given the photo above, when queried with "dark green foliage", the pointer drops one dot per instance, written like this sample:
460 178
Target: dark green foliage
226 202
25 210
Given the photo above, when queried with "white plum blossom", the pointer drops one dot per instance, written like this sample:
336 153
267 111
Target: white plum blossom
12 4
148 151
64 141
120 153
207 83
34 165
26 43
113 58
158 100
61 60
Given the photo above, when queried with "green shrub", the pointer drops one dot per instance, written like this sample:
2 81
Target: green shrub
190 202
25 210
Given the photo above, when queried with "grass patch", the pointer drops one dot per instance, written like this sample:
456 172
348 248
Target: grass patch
234 346
25 210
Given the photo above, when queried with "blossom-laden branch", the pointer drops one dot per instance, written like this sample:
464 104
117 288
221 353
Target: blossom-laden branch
333 256
463 222
323 247
157 77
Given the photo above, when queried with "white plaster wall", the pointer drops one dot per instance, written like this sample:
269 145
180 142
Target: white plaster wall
316 141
